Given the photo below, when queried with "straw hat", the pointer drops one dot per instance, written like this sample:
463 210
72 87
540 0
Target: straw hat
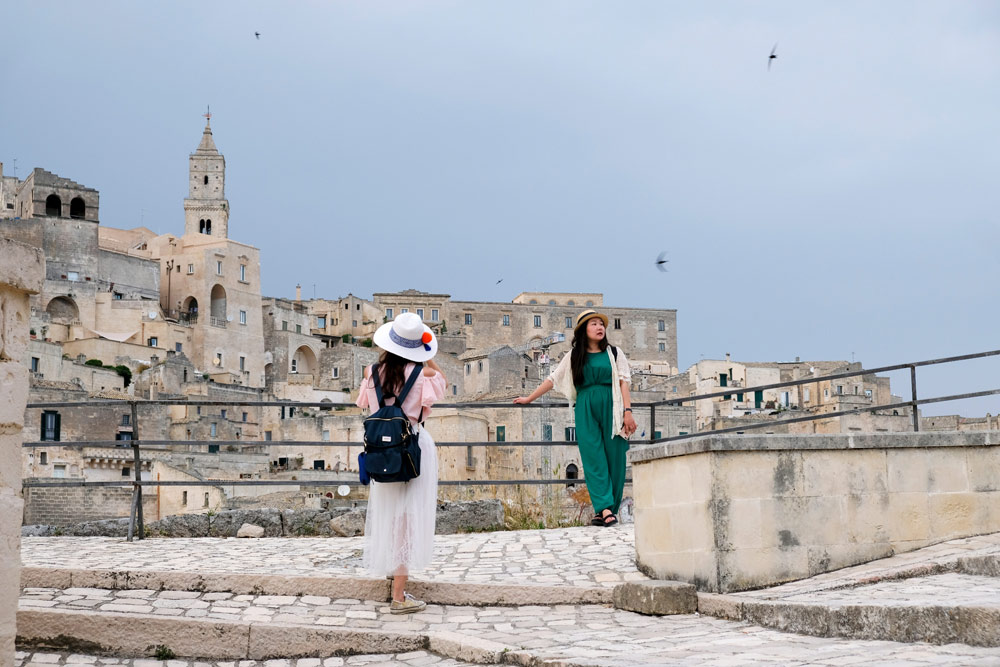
582 318
407 337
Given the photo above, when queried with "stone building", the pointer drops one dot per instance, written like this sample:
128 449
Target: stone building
644 334
775 405
211 283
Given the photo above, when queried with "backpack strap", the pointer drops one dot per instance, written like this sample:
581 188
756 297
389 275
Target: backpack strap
614 352
378 386
409 384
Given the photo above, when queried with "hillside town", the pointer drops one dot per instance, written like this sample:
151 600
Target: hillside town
131 314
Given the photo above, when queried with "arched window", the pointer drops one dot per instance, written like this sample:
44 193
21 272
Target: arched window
218 310
53 206
201 226
572 472
206 179
590 303
77 208
571 303
208 227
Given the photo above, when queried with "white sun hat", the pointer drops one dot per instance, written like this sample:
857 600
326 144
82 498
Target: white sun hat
407 337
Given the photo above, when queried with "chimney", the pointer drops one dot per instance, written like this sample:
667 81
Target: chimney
727 356
298 292
153 360
796 360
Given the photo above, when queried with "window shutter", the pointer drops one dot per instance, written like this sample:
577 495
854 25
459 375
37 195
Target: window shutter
58 422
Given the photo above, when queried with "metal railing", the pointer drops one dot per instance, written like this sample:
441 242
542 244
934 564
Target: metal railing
137 443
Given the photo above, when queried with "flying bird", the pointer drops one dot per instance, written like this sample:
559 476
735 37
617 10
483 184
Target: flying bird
257 35
499 281
771 57
661 262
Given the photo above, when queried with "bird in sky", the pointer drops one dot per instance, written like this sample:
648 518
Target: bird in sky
499 281
257 35
661 262
772 57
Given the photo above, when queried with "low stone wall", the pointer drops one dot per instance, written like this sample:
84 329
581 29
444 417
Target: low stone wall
471 516
731 513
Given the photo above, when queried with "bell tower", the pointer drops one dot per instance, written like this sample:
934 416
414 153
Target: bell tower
206 210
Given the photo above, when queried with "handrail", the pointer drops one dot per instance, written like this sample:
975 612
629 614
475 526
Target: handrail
138 443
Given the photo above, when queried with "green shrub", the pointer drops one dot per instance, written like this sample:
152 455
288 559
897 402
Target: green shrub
346 338
94 362
125 372
367 342
164 653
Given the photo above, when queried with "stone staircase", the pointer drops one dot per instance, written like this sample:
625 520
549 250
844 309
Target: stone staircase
525 598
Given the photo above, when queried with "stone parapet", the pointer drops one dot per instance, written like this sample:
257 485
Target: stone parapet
22 270
732 513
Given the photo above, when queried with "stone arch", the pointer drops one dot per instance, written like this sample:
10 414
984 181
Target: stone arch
53 206
63 310
572 471
218 308
303 360
77 208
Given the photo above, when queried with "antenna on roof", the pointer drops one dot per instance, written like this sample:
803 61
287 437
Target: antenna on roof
15 167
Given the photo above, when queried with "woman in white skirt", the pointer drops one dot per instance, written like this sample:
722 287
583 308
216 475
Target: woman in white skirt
399 528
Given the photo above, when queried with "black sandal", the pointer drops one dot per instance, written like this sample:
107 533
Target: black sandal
598 520
608 519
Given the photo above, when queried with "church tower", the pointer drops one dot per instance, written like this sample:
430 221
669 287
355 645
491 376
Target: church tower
206 210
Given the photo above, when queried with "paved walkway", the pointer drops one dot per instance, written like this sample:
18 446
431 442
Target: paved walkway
567 559
584 634
935 559
592 556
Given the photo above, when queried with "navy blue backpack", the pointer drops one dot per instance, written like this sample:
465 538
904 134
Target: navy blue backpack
392 450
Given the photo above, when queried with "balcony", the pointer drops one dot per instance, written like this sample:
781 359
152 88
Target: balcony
217 322
184 317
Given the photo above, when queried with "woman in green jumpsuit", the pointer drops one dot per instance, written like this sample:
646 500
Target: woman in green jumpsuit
595 375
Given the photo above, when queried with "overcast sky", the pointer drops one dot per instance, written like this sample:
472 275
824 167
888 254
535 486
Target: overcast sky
842 205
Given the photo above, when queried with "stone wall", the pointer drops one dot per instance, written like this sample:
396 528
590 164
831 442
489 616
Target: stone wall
68 505
731 513
22 270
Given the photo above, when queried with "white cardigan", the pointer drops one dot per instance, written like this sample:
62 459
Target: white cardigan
562 381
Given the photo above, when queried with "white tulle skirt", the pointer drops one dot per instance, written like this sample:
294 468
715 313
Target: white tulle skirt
399 527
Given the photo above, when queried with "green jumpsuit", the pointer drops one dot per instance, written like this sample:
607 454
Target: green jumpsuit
602 452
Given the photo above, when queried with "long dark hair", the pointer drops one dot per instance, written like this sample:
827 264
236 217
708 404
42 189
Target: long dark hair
578 355
392 372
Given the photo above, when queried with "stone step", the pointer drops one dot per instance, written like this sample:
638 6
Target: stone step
438 592
939 609
409 659
224 626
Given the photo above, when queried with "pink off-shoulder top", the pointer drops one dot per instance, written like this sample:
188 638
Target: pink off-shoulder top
426 390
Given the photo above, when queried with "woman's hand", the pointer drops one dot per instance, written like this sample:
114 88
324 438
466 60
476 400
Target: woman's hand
522 400
630 425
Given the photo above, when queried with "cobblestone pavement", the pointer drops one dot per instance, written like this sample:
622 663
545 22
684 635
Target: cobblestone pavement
927 561
940 589
414 659
585 556
588 634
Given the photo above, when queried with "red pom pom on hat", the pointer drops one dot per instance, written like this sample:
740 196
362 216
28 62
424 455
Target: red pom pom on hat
427 337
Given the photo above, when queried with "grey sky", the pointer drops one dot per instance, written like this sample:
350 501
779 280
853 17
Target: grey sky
843 203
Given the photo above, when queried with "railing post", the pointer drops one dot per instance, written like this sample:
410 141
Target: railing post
136 516
652 423
913 391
